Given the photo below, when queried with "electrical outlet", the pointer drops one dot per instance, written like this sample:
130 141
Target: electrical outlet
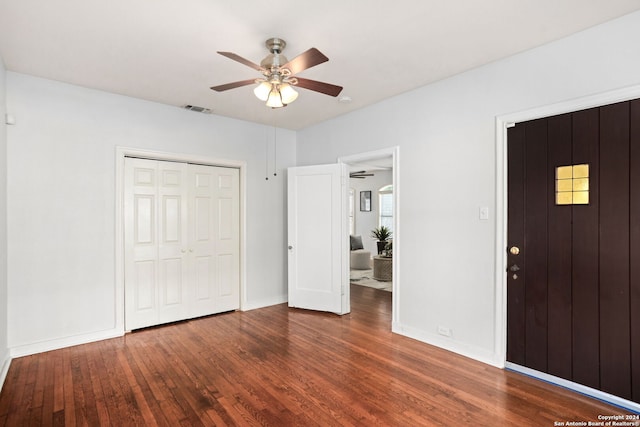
484 213
444 331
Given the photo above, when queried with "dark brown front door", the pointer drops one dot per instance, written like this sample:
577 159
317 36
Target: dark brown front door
573 296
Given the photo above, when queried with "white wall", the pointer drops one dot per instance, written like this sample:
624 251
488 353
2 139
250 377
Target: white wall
4 353
61 202
447 157
367 221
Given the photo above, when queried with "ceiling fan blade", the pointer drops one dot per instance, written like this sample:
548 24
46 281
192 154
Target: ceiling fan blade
326 88
242 60
233 85
305 60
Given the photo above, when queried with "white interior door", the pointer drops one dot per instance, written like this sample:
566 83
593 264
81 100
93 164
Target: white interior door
173 265
141 257
214 209
182 241
317 233
155 238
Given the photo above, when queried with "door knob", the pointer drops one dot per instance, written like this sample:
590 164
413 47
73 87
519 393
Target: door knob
514 250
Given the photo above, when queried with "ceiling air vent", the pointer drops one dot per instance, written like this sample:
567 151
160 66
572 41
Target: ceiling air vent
198 109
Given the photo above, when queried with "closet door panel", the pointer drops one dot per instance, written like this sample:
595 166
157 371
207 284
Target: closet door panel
203 217
226 276
141 256
215 238
145 289
172 282
227 239
226 247
172 248
204 270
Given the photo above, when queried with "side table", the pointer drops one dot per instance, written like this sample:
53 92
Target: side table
382 268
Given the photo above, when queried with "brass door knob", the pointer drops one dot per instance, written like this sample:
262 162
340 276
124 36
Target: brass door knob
514 250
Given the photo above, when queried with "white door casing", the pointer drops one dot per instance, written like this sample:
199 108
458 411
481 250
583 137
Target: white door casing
181 241
317 233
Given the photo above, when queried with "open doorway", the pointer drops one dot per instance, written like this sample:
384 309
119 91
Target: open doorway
373 208
371 224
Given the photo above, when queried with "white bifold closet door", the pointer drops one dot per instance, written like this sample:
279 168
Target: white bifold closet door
182 241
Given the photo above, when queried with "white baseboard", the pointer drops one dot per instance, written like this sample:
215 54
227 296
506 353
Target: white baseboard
588 391
6 363
267 302
55 344
472 352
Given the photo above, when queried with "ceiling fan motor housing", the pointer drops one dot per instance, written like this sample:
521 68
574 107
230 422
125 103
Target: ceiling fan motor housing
275 44
275 59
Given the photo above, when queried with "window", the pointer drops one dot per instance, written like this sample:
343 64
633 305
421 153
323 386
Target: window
572 185
352 218
385 199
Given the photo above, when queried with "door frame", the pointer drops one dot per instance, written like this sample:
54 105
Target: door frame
394 153
121 153
503 122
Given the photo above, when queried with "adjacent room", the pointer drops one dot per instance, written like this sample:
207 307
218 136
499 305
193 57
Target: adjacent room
371 224
360 213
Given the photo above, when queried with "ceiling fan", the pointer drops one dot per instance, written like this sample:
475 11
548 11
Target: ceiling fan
276 87
360 174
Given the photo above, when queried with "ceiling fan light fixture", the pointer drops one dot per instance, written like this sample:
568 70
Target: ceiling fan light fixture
274 100
288 93
276 86
262 91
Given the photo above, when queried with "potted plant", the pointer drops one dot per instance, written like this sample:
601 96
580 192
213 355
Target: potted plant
381 233
388 249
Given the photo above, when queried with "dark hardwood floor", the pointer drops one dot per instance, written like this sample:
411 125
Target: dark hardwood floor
278 367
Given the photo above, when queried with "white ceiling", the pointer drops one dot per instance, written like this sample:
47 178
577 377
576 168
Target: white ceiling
372 165
165 50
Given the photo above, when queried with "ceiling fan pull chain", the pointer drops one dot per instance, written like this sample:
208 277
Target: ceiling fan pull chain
275 150
266 157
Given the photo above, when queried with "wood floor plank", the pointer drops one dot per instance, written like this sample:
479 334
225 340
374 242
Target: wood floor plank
278 366
150 393
68 412
58 381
